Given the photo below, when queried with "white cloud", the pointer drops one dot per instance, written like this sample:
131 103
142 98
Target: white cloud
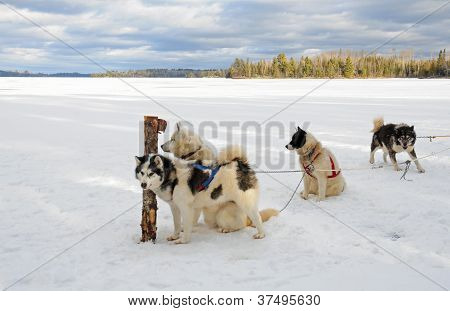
140 52
31 55
311 52
203 33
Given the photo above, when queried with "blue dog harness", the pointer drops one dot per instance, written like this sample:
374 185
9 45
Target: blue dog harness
205 184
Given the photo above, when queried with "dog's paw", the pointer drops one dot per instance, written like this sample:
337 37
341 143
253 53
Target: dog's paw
180 241
371 161
259 236
421 170
173 237
398 169
303 195
224 230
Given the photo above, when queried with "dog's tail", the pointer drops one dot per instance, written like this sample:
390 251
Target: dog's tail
231 153
265 214
377 124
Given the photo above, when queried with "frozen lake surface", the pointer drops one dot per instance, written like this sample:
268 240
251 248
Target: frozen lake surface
66 168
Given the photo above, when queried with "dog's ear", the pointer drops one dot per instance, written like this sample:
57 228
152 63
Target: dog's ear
139 160
158 161
300 130
184 125
412 128
184 134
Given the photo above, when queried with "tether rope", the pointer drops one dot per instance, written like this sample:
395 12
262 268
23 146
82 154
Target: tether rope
351 168
434 137
293 194
407 162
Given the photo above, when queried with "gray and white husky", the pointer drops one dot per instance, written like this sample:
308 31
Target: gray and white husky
393 139
191 185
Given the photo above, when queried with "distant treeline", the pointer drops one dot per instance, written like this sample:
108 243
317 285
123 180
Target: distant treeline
145 73
339 64
29 74
164 73
342 64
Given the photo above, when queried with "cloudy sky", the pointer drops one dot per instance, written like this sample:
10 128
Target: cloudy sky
132 34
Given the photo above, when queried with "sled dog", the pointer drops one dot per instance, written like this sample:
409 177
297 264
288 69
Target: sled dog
190 185
313 159
187 145
393 139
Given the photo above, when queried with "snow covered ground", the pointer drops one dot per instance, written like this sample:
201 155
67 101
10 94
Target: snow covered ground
66 168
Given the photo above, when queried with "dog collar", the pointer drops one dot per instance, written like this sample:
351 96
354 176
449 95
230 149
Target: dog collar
310 167
190 154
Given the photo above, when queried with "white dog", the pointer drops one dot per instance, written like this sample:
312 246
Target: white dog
187 145
323 175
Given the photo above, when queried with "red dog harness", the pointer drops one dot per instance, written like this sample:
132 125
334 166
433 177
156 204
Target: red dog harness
310 168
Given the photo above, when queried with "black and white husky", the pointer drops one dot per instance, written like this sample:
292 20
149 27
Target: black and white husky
190 185
393 139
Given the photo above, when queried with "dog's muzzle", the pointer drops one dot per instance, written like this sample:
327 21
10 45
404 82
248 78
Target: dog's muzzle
144 185
289 147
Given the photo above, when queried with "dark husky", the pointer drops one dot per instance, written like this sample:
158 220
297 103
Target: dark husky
393 139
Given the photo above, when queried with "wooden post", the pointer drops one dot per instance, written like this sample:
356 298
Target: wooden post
152 126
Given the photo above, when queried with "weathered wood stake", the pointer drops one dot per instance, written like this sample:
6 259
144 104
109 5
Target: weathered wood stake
152 126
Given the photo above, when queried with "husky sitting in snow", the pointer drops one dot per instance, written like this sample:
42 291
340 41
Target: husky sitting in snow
323 176
187 145
191 185
393 138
